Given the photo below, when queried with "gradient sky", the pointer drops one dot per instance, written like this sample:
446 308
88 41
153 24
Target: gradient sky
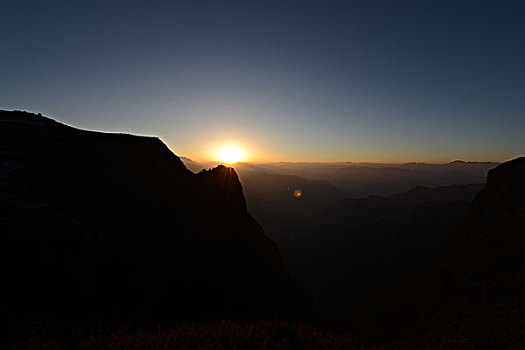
287 80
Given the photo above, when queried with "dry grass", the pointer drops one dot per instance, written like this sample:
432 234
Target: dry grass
225 335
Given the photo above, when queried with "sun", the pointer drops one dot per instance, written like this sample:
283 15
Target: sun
230 154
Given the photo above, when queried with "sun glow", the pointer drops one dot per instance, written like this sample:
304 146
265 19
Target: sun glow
230 154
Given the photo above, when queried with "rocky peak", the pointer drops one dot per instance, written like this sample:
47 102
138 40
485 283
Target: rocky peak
225 187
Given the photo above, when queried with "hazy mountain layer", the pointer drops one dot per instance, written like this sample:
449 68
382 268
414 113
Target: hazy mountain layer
360 180
359 246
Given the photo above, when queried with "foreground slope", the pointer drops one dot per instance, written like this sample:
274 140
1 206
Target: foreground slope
95 225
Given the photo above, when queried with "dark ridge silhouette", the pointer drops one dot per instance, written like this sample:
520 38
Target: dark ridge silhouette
98 225
476 293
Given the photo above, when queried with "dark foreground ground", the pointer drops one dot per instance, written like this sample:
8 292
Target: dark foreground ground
265 334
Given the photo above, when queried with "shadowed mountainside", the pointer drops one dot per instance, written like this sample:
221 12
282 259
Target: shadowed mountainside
96 225
477 290
361 246
285 204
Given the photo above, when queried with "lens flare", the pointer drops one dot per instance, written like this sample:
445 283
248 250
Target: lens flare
297 194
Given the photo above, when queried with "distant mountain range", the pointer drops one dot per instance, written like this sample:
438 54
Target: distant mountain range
373 238
346 245
98 225
350 212
269 186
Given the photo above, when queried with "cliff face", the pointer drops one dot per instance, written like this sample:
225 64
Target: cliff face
477 296
97 224
504 193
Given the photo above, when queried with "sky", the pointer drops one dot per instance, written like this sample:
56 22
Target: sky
376 81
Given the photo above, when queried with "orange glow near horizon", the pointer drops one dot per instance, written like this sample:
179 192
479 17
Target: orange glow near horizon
235 149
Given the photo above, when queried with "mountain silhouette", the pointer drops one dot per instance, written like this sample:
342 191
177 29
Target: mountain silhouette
96 225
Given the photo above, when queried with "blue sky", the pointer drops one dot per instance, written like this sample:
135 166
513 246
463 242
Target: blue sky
285 80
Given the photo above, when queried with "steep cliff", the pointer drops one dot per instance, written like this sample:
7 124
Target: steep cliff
96 225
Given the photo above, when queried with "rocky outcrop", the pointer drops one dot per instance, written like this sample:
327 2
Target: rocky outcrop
97 225
225 187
